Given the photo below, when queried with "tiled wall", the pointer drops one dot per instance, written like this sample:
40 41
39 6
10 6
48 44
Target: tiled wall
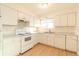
59 29
64 29
9 29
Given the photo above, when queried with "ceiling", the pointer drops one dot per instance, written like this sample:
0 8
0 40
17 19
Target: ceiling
35 9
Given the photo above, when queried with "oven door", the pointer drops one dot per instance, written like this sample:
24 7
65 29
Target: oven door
27 39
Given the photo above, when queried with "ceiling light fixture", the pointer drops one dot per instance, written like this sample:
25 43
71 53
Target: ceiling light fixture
44 5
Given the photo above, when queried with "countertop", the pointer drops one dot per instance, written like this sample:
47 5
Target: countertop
58 33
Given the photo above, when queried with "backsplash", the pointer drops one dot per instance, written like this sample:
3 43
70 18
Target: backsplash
59 29
64 29
9 30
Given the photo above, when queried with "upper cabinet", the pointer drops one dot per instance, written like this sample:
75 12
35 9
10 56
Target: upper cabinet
66 20
34 22
37 23
8 15
61 20
0 19
21 16
57 21
25 19
31 21
72 19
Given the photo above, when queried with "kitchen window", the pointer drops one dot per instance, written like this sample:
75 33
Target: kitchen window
47 23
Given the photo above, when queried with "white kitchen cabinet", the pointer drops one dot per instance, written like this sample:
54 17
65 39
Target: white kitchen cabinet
61 20
21 16
37 23
11 46
43 38
1 47
31 20
8 15
72 19
0 51
46 38
59 41
71 43
57 21
78 48
0 20
66 20
35 39
50 39
40 38
0 33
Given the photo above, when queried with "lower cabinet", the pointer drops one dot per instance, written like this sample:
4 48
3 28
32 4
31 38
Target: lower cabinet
35 39
71 43
44 38
11 46
41 38
50 39
68 42
0 43
0 49
78 48
59 41
54 40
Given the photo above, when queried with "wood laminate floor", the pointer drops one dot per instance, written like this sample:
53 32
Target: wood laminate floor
44 50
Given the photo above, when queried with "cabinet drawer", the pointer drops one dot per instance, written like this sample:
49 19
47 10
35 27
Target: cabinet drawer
72 37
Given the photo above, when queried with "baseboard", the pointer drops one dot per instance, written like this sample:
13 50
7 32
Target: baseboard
46 45
57 47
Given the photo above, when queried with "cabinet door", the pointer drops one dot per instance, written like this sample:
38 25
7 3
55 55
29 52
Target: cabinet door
8 15
35 39
21 16
63 20
0 20
1 47
60 41
11 46
36 22
51 39
57 21
43 38
72 19
31 21
78 48
17 45
71 43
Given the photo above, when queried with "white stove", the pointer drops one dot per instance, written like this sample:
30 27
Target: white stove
25 39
